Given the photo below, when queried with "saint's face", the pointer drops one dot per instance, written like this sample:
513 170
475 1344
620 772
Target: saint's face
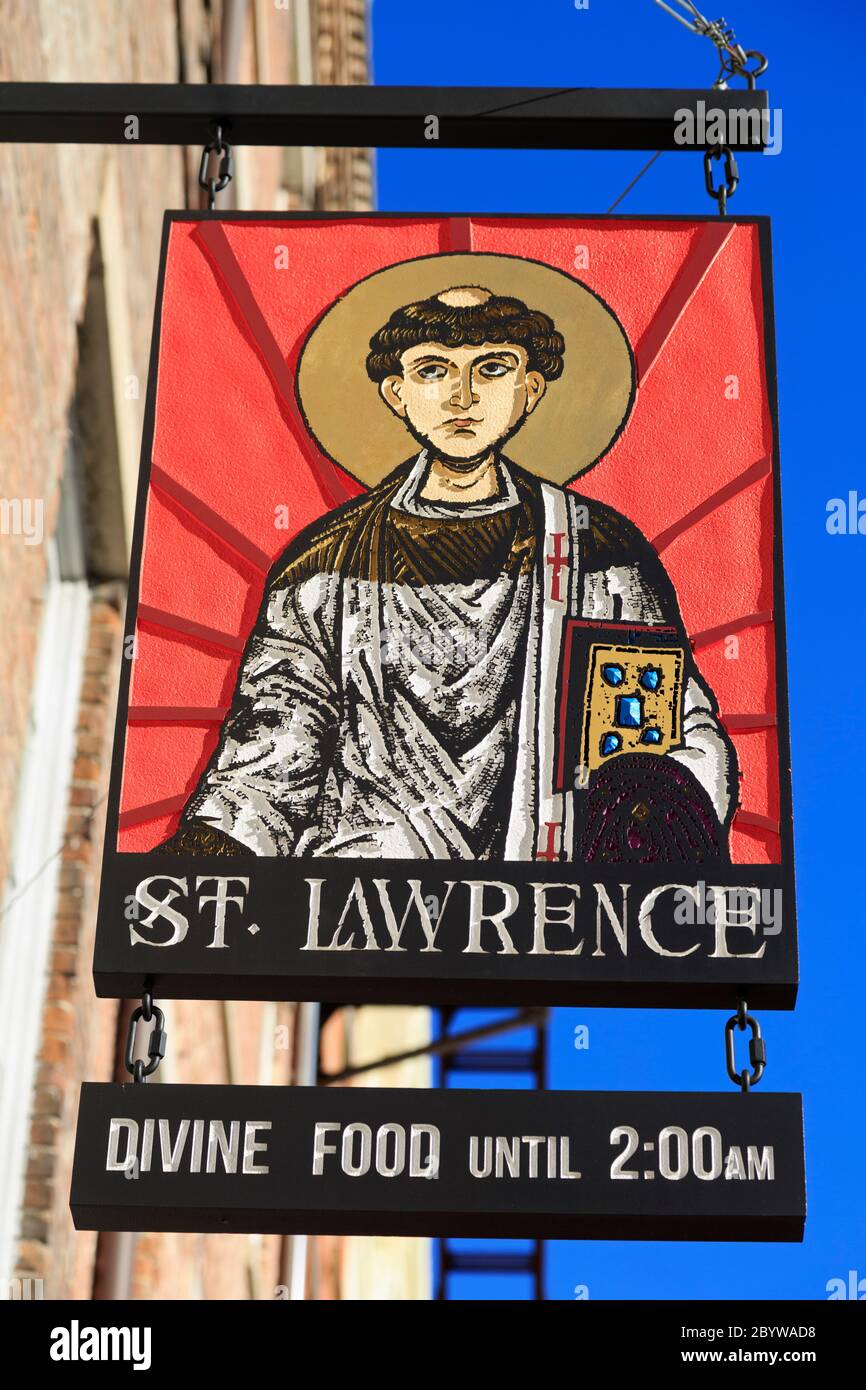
462 402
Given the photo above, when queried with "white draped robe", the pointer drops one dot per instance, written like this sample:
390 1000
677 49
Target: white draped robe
388 720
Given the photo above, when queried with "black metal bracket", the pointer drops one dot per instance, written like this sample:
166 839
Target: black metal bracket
412 117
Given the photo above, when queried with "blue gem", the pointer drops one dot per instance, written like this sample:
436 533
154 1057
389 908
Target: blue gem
629 711
651 736
610 743
651 679
614 675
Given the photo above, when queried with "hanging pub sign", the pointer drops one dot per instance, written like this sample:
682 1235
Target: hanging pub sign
558 1164
456 641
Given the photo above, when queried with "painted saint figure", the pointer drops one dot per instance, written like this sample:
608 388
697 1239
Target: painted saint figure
469 661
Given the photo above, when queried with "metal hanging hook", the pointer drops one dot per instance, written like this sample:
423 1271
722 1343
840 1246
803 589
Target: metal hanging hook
220 150
734 59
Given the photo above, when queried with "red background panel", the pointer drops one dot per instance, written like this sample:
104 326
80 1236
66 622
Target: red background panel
230 453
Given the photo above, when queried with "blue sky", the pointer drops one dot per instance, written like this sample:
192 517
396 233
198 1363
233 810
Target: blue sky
813 191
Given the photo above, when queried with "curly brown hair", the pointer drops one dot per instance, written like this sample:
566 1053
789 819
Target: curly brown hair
499 319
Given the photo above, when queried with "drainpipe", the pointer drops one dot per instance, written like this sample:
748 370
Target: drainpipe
293 1255
115 1250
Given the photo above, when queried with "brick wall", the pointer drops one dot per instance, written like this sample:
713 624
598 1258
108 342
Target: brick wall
340 56
52 204
50 200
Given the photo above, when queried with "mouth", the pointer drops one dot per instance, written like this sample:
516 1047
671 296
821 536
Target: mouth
462 423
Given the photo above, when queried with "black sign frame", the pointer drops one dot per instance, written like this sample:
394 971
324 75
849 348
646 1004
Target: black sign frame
268 965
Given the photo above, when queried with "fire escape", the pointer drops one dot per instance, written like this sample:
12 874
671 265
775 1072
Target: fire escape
465 1268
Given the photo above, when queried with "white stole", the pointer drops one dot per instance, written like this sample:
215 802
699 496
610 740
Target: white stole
541 820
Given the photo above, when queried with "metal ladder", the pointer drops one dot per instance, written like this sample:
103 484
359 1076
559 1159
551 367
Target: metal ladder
518 1061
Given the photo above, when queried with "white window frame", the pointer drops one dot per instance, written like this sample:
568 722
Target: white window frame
29 907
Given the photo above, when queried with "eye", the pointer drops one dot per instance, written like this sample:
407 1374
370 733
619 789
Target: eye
494 369
431 371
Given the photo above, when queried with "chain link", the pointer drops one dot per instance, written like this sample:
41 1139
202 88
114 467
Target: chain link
217 149
735 68
145 1012
741 1020
724 190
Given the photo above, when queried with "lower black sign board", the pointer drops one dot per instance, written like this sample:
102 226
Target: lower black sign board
555 1164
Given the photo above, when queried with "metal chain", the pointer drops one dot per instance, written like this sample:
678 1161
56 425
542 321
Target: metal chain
218 148
724 190
146 1012
742 1019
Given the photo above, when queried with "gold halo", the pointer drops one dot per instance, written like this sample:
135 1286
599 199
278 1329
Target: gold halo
582 413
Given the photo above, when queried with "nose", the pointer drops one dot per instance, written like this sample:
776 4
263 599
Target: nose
462 394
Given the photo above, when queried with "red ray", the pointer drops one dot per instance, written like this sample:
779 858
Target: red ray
706 248
207 517
138 814
160 617
334 485
712 634
177 714
711 503
744 819
459 233
743 722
